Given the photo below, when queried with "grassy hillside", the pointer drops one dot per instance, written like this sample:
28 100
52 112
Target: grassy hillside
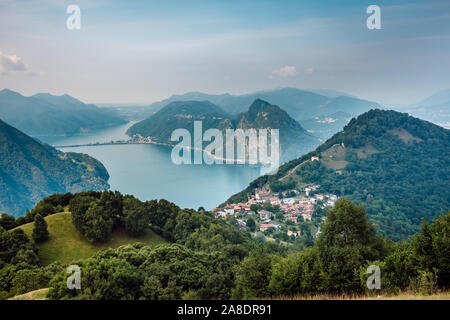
32 295
66 244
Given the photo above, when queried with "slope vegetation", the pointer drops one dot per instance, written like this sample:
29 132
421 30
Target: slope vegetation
66 244
30 171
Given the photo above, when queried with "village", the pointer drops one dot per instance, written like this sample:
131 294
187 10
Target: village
285 211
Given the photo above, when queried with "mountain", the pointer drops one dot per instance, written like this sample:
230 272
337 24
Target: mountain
45 114
294 140
299 104
179 114
30 170
438 98
435 108
330 93
325 126
131 112
394 164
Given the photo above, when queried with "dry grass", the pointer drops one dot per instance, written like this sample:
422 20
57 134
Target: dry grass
365 151
334 157
404 135
32 295
445 295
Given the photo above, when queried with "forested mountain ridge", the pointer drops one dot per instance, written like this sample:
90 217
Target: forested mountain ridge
394 164
46 114
294 140
179 114
30 170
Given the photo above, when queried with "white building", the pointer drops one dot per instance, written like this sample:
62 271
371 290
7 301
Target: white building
265 215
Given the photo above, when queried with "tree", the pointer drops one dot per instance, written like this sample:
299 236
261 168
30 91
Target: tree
135 216
98 223
279 216
254 208
251 224
347 241
295 274
253 276
6 221
40 232
78 206
112 202
432 248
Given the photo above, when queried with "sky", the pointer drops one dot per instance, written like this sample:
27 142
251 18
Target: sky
142 51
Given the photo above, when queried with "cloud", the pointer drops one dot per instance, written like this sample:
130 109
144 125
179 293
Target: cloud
286 71
309 70
11 63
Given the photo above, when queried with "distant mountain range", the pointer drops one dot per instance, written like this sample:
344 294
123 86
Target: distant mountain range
30 171
312 107
299 104
325 126
394 164
45 114
308 107
435 108
294 140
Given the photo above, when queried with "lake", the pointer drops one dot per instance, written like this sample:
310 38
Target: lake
147 172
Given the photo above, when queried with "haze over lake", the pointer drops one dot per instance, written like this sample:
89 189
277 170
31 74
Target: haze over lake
147 172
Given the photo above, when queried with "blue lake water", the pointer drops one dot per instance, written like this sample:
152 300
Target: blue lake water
147 172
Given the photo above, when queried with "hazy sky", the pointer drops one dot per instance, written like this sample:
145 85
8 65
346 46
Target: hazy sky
142 51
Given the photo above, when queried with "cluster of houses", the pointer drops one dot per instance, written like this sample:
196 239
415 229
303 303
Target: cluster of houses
294 206
137 138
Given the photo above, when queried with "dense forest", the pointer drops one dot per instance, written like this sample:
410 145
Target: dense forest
210 258
394 164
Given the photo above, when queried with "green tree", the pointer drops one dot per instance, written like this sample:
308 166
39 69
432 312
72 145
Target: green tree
78 206
347 241
112 202
135 217
7 222
253 276
251 224
432 248
98 223
27 280
40 232
295 274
